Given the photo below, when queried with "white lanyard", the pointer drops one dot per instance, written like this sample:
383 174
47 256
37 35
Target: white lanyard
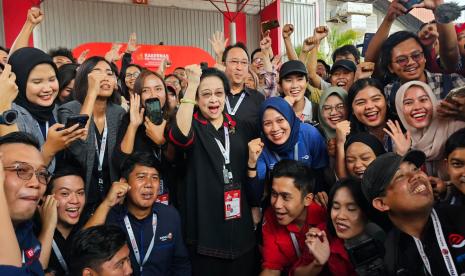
103 145
236 107
60 258
296 244
46 129
442 246
296 153
134 243
225 151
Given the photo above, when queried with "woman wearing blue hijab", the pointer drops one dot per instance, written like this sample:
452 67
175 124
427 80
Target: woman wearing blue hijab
283 137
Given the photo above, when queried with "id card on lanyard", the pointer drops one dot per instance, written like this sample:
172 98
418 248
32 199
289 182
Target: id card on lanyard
232 191
133 241
232 111
445 252
59 256
101 155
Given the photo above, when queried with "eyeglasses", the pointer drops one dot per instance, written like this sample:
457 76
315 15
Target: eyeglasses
133 75
238 62
329 108
208 94
403 60
26 171
257 60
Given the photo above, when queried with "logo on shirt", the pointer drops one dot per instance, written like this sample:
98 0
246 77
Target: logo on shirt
166 237
305 157
456 240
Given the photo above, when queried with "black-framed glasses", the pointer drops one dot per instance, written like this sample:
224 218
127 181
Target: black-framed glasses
26 171
133 75
403 60
329 108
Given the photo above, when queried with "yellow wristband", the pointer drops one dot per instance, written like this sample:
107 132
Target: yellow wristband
189 101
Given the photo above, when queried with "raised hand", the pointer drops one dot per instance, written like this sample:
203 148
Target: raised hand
265 43
429 4
35 16
364 70
218 42
49 212
288 29
318 245
59 138
395 10
321 198
117 193
136 113
402 141
8 88
255 149
82 56
193 72
453 108
132 44
309 44
94 80
428 36
320 32
113 54
342 130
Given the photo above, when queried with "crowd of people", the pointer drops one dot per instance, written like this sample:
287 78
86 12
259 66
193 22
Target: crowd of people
259 165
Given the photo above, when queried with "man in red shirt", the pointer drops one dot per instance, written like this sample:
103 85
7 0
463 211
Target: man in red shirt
293 216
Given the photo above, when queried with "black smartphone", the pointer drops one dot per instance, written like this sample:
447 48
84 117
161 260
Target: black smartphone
153 111
409 3
366 41
269 25
77 119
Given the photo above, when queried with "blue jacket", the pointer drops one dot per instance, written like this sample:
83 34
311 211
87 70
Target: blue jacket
169 255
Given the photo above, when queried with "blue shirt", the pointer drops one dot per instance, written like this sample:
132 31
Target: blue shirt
30 249
169 255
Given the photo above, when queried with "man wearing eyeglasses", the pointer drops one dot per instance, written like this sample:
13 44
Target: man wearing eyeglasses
243 103
25 180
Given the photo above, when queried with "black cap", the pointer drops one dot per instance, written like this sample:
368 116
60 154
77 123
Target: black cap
380 172
292 67
344 63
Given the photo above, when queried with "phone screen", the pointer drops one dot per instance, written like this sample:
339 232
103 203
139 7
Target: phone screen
153 111
408 4
78 119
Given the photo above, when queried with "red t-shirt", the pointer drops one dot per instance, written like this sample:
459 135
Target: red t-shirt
279 252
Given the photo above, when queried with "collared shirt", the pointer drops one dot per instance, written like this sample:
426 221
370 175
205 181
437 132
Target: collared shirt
307 113
30 251
169 255
278 250
250 105
435 81
402 253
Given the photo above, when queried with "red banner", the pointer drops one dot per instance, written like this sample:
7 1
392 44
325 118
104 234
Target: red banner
150 56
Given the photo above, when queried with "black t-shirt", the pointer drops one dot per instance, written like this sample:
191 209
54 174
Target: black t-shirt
402 256
250 106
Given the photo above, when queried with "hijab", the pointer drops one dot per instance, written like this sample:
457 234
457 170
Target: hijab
431 140
22 62
365 138
283 107
334 90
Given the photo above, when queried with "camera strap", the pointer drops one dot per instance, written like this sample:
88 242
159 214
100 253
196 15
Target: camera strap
442 246
236 107
296 244
59 256
134 243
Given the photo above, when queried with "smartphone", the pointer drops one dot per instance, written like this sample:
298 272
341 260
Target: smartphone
77 119
269 25
456 92
409 3
153 111
366 41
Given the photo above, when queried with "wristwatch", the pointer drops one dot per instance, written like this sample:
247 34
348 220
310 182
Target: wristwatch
8 117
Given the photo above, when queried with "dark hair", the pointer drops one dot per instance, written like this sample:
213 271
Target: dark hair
64 52
254 52
213 72
179 68
81 82
237 45
456 140
355 188
95 245
344 50
63 169
66 73
304 178
426 23
20 137
173 76
122 76
359 85
386 51
327 67
4 49
139 85
2 66
145 159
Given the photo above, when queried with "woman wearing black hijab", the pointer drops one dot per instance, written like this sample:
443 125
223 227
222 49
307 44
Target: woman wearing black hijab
36 78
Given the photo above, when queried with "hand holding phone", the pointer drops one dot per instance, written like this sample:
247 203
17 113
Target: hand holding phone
153 111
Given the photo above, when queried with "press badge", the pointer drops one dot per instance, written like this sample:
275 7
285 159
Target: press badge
164 199
232 202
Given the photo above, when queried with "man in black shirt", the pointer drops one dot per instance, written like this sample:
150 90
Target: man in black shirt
243 103
424 240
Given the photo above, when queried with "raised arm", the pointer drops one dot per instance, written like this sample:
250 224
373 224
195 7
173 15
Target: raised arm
288 29
94 80
218 42
186 108
34 17
8 92
48 217
267 51
136 118
318 35
395 10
